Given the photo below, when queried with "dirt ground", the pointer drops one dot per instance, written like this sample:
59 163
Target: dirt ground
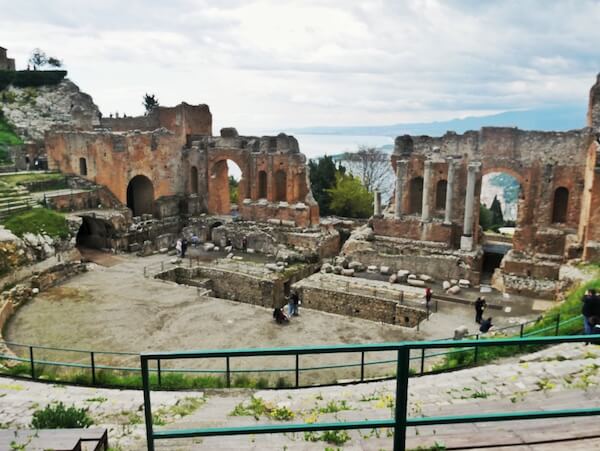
114 308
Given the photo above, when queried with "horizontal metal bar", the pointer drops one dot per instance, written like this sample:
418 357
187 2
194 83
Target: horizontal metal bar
367 347
273 429
504 416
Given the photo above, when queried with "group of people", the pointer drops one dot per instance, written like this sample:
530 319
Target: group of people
591 312
484 324
279 314
181 247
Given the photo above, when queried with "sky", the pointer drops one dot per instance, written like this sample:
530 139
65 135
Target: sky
276 64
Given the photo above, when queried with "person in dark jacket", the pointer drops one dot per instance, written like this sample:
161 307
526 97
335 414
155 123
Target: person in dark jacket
590 307
479 308
486 325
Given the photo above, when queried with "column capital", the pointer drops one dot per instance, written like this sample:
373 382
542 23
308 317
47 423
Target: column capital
474 167
428 163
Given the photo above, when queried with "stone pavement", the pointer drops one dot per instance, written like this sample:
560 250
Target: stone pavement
564 376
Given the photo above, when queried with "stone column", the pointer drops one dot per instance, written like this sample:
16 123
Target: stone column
376 203
425 209
400 175
466 241
449 192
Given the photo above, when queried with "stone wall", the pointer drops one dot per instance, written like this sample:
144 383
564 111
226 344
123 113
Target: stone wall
358 305
98 198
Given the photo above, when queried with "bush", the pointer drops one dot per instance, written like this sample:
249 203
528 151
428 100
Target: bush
56 416
25 78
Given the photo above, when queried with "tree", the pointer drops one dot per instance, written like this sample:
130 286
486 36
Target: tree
54 62
38 58
322 178
496 210
373 167
150 102
485 217
350 198
233 190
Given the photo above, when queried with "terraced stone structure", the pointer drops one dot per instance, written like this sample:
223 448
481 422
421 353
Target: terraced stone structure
434 215
168 163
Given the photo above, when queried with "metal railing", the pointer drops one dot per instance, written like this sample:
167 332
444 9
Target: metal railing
399 422
419 358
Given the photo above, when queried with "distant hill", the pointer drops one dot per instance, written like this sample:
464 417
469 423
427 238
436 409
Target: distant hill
547 119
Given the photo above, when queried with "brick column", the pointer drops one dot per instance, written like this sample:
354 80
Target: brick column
449 191
400 175
426 214
466 241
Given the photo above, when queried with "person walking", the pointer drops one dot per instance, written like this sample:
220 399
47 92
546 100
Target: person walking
184 246
293 303
479 309
428 296
178 247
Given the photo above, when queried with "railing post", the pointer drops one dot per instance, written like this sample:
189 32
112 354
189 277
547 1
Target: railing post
476 350
93 367
557 324
362 366
162 266
401 398
228 372
521 332
31 362
297 370
422 361
158 372
147 404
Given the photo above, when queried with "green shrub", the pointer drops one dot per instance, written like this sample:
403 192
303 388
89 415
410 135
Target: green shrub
57 416
37 221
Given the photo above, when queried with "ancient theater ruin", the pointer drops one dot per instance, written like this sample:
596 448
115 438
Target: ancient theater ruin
432 223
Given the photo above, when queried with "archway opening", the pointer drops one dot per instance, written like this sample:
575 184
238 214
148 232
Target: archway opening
440 194
560 205
498 216
194 180
262 184
82 166
226 188
140 195
280 186
94 233
416 195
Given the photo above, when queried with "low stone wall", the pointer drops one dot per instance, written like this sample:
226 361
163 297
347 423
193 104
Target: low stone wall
360 306
100 197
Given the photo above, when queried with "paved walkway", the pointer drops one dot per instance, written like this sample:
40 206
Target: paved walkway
565 376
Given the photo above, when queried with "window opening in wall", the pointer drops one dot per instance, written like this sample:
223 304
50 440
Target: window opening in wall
560 205
416 195
82 166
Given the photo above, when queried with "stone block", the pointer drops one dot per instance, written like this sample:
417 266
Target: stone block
426 278
250 250
208 247
371 268
327 267
464 283
216 249
356 266
411 276
347 272
337 269
385 270
416 282
393 278
455 289
446 285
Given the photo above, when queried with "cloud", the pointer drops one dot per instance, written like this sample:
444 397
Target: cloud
270 64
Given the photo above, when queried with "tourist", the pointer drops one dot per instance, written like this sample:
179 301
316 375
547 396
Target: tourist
280 316
479 308
178 247
590 306
195 240
428 296
244 243
184 246
293 303
486 325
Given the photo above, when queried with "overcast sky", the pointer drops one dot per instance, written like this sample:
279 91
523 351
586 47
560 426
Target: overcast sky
279 64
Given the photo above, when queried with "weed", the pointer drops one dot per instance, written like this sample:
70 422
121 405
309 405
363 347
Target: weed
57 416
98 399
187 406
334 406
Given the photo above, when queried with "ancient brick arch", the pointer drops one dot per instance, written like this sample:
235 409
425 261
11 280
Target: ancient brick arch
140 195
218 185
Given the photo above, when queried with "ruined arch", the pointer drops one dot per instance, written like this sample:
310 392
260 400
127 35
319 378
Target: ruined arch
440 194
560 205
416 195
220 199
194 180
280 186
262 184
82 166
140 195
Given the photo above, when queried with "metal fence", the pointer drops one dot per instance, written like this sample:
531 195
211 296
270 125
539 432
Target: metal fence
96 363
399 422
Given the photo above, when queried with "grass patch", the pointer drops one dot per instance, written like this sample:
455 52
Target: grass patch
13 180
257 407
7 134
333 437
38 221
